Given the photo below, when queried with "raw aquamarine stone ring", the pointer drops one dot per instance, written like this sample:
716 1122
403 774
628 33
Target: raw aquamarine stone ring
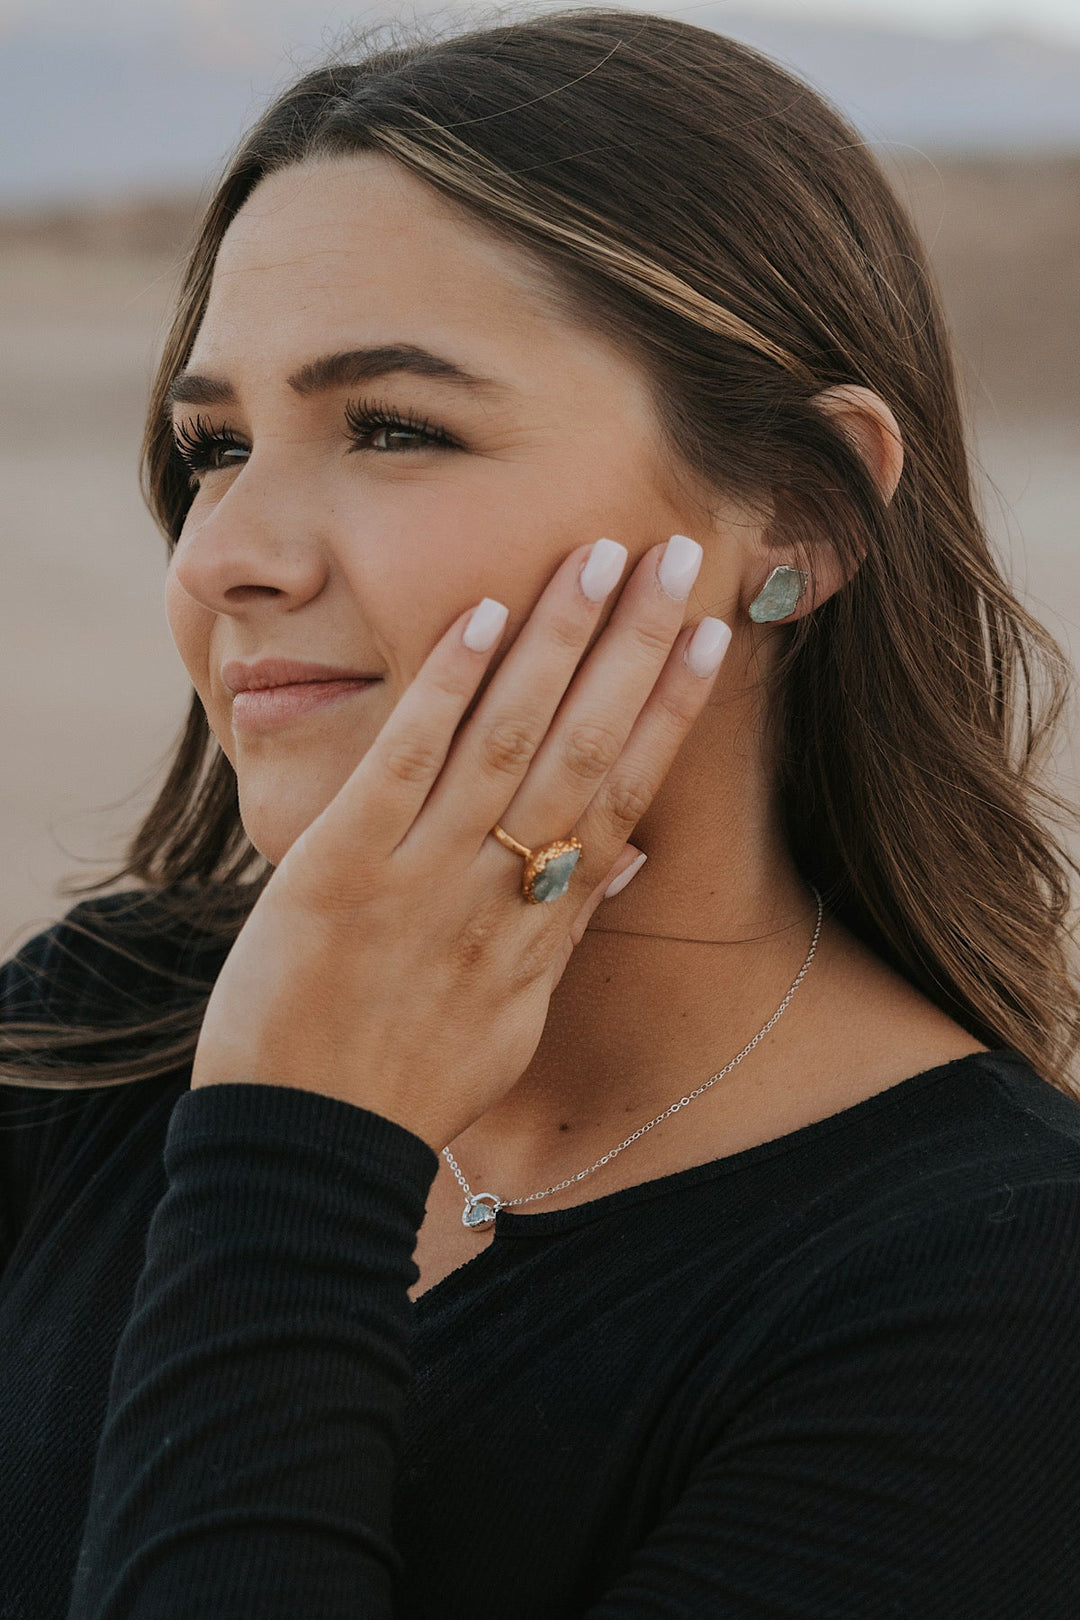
547 869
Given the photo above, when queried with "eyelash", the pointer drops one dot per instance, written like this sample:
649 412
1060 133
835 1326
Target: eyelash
195 442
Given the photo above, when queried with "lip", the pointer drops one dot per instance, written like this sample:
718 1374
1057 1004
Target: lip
270 707
241 677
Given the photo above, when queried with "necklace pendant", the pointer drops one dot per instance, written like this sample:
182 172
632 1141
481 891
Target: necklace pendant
480 1209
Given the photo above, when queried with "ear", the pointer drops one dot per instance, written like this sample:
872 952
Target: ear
875 434
872 428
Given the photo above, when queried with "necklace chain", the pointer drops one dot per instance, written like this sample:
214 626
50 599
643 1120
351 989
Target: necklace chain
481 1208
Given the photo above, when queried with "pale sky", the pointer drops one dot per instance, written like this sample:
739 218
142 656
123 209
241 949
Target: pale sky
1054 17
1060 18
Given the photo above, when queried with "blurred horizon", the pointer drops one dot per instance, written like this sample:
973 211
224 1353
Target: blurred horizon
89 111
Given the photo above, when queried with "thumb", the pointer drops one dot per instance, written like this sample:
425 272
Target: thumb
625 868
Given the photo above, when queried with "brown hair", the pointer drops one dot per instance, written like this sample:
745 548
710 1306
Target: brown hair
713 215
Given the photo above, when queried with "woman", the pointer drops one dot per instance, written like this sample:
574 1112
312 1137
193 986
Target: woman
576 394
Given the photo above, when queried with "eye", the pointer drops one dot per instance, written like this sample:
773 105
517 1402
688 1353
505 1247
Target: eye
197 444
368 419
203 448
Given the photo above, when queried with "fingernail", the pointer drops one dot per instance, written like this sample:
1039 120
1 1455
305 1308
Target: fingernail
486 625
679 566
705 650
624 877
603 566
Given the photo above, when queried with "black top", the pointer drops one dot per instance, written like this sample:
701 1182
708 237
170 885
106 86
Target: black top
835 1375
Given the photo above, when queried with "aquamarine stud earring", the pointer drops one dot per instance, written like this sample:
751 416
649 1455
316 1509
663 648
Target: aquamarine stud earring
779 595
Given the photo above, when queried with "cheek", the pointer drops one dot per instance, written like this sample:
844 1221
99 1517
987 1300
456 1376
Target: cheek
602 482
433 557
190 626
500 529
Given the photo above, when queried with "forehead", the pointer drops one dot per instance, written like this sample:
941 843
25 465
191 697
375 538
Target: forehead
358 252
357 247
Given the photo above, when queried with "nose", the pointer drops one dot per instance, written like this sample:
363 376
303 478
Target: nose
255 541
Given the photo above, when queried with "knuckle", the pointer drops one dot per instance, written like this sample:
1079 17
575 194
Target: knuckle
653 638
676 707
591 750
626 800
507 747
532 960
566 632
474 943
412 759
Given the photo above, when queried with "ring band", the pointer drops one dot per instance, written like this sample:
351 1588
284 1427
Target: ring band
547 869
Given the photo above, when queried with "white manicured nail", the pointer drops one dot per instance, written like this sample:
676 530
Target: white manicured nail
604 564
624 877
706 648
679 566
486 625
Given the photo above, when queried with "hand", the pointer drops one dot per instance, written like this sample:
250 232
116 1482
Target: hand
392 960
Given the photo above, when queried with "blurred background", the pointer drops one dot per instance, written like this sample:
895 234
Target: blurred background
115 119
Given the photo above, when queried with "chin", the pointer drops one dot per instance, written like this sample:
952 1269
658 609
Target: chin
271 832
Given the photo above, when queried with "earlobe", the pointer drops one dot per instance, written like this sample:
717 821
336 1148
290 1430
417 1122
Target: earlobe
872 429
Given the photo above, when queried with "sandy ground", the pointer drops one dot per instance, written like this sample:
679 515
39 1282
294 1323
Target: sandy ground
92 691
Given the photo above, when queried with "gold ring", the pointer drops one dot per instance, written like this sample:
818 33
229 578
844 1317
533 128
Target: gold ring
547 869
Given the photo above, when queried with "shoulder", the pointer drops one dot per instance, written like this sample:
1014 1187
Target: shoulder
982 1126
104 953
910 1414
48 945
993 1149
961 1317
111 993
105 977
957 1136
963 1180
987 1263
50 972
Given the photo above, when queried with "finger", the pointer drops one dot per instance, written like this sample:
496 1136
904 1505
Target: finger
651 747
493 749
659 732
601 707
535 750
389 786
623 871
616 878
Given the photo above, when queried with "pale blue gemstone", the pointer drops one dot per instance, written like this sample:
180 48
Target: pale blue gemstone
779 596
554 880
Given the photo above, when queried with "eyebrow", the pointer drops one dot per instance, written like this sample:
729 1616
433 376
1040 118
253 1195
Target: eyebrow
346 368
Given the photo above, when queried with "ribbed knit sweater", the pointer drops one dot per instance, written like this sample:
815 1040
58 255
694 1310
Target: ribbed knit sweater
835 1375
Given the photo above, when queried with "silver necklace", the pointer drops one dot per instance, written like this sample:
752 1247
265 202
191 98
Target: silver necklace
481 1208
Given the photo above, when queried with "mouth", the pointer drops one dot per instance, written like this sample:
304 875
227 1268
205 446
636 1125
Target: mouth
270 707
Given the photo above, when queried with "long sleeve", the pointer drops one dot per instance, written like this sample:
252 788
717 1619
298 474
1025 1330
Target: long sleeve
248 1457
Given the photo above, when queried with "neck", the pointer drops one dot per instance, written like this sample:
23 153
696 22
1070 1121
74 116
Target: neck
672 978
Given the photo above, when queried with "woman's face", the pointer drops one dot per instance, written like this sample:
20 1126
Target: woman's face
309 539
